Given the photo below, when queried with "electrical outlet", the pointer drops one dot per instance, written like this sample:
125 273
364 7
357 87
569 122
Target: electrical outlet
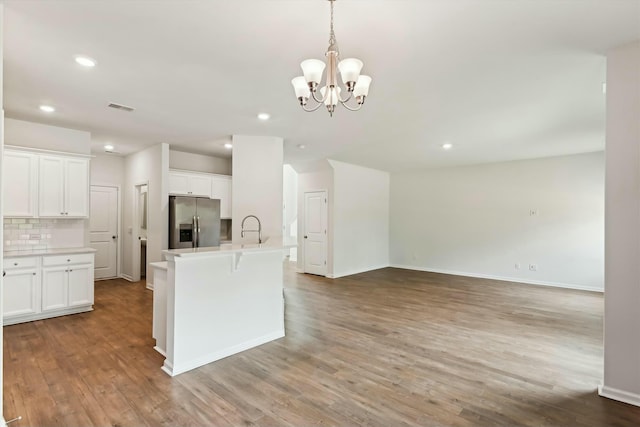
517 266
533 267
533 212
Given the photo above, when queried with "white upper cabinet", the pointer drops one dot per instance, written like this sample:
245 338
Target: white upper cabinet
51 182
189 184
221 189
63 187
76 194
203 184
19 184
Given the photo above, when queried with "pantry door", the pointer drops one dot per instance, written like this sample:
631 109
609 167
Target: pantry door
103 230
315 232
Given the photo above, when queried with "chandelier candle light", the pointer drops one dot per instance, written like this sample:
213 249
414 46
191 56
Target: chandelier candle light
357 84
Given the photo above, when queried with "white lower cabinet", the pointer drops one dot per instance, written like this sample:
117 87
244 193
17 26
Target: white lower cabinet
54 288
21 292
79 293
47 286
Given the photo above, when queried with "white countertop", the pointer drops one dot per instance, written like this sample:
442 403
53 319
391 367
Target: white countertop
37 252
273 243
162 265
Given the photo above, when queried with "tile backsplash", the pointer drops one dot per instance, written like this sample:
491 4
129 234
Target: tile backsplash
42 233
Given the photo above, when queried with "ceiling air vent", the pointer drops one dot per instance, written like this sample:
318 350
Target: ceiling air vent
120 107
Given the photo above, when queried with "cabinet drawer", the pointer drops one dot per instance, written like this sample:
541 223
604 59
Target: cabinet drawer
67 259
21 262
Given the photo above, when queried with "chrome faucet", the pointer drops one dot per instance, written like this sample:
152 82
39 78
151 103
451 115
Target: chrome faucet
259 230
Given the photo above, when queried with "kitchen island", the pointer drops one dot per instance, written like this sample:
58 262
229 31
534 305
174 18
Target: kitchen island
219 301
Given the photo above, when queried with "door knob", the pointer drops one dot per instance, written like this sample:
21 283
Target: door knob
305 237
113 237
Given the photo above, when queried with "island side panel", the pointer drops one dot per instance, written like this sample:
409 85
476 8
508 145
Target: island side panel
224 304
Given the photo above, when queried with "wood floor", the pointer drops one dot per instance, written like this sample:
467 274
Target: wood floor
386 348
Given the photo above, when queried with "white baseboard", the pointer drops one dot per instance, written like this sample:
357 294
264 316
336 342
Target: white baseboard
159 350
173 370
501 278
127 277
357 271
620 395
150 286
47 314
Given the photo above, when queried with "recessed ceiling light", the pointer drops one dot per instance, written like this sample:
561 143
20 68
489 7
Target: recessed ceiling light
447 146
301 146
47 108
108 147
85 61
228 146
264 116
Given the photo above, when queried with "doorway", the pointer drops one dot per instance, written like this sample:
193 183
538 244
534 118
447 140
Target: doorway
139 241
103 230
315 232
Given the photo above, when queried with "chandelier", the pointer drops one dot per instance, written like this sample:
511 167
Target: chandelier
357 84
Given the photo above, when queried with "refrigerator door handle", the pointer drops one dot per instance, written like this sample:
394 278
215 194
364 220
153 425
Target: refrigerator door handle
198 234
194 236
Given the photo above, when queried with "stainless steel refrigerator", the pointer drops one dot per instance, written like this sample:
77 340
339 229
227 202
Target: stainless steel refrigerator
194 222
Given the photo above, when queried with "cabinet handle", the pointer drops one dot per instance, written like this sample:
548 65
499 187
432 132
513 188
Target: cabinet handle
33 274
61 213
70 270
15 263
68 260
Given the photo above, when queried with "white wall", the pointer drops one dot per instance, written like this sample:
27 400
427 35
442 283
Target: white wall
360 219
107 169
150 165
475 220
36 135
290 206
257 185
622 227
199 163
318 177
2 131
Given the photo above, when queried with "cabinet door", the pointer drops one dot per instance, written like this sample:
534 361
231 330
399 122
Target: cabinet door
51 187
80 285
200 185
221 189
19 184
76 194
54 288
178 183
20 293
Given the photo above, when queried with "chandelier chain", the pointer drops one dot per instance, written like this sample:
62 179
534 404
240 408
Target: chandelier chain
332 36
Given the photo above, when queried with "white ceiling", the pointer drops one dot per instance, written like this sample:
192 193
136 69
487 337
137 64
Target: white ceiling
500 80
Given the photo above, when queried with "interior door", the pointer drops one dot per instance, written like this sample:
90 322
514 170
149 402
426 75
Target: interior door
315 232
103 230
